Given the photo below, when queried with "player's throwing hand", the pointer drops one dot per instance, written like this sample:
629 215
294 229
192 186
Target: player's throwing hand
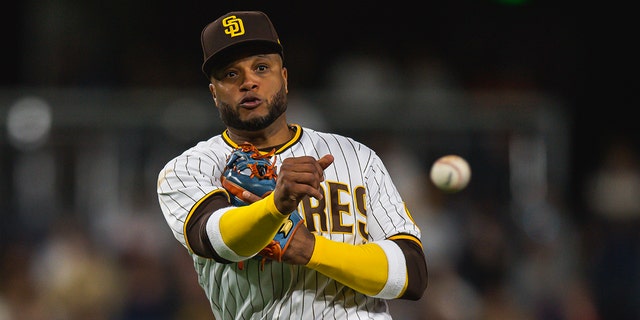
299 177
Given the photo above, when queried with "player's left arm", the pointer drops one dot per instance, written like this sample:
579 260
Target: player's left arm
394 268
390 267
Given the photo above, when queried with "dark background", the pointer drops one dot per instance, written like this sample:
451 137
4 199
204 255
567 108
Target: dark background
581 53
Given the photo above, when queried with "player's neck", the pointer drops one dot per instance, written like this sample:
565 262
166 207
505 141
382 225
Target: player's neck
278 133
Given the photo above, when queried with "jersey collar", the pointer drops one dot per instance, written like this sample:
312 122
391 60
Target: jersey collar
298 133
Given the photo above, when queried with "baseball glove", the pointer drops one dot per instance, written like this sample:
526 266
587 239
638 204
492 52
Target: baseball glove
249 170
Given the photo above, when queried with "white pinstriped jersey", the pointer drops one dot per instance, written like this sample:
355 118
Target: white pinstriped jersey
360 204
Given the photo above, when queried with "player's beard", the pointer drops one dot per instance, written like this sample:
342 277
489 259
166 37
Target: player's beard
231 117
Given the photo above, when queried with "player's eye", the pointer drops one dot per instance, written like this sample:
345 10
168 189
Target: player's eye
230 74
262 68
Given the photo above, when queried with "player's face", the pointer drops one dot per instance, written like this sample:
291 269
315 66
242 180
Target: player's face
251 92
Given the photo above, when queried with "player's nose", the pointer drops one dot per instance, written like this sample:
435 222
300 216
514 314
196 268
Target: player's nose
249 81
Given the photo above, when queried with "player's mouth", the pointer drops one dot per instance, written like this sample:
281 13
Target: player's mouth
250 102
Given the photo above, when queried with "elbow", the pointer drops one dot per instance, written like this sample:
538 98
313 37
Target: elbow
417 275
417 286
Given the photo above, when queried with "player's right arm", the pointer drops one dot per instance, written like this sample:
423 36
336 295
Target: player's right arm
199 213
215 229
211 227
393 268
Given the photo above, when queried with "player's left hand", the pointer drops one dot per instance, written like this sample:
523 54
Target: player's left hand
300 247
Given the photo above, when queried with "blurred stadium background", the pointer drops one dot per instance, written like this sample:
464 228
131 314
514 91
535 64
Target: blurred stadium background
96 96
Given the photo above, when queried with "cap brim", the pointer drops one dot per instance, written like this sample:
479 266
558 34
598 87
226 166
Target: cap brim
239 50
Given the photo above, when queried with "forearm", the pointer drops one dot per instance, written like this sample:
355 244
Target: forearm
376 269
247 229
216 230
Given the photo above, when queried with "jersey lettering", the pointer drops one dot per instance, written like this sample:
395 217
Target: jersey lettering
334 213
361 208
315 212
340 209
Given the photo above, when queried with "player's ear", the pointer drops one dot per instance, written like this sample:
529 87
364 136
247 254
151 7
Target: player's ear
212 89
284 77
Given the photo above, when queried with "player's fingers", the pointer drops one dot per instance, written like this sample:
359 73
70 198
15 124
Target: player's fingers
323 164
289 192
303 184
301 176
315 193
309 177
299 169
249 197
299 183
325 161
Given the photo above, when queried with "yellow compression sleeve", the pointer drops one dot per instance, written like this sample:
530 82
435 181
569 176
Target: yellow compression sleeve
361 267
248 229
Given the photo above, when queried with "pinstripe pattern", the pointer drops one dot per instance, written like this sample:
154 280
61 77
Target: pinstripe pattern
282 291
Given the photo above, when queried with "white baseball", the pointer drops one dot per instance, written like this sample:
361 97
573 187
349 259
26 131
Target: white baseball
450 173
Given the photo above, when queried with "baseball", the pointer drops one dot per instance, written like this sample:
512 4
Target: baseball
450 173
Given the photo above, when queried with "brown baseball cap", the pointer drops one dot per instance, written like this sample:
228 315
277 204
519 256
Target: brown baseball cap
238 32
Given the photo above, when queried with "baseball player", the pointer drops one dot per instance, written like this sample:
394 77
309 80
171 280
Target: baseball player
358 245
